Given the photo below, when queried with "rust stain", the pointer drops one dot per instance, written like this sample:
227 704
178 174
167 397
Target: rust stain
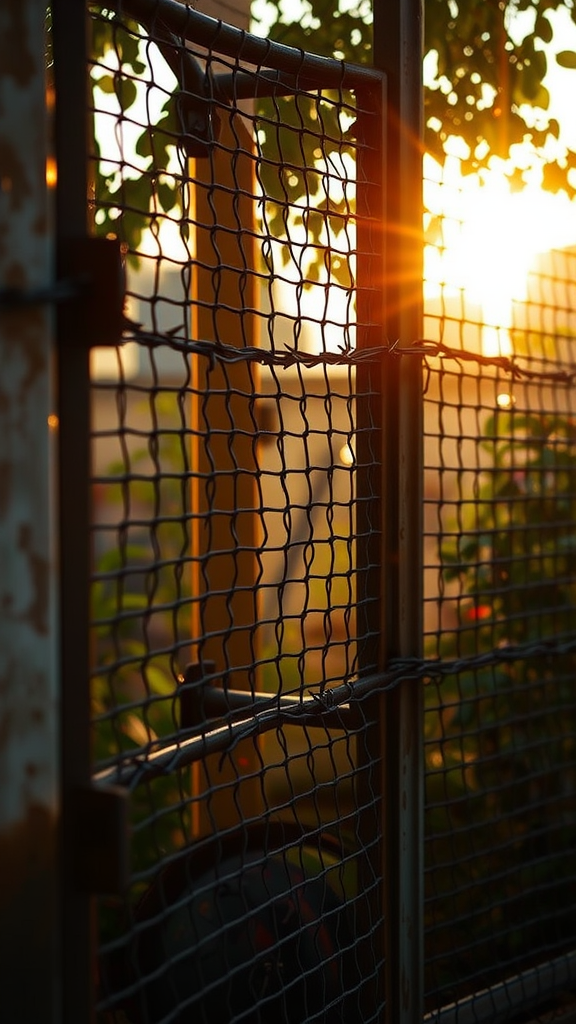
4 241
6 718
13 175
32 327
41 224
36 613
16 58
23 329
6 470
14 276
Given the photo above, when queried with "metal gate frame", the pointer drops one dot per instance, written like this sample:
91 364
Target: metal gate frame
48 967
48 957
398 28
92 815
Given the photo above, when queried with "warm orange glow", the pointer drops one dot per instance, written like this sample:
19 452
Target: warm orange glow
479 611
51 172
346 455
53 421
488 240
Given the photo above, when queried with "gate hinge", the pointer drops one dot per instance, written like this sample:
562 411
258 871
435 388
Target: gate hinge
101 840
94 315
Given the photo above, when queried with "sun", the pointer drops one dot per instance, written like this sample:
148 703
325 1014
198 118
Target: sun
487 241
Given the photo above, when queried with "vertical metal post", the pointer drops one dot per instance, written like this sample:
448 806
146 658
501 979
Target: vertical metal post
226 526
370 528
398 52
70 74
29 786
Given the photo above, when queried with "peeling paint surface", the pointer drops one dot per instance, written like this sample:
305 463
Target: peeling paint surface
29 756
17 42
27 698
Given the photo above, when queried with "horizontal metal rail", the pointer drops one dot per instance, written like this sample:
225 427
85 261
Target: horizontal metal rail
258 713
249 715
524 991
227 40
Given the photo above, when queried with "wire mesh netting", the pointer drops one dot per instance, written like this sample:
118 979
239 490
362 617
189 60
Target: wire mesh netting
237 485
500 719
232 638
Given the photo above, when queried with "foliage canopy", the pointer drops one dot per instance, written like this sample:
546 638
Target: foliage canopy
485 70
485 61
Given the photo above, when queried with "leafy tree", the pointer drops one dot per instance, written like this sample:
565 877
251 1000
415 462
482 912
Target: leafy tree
486 66
149 182
487 85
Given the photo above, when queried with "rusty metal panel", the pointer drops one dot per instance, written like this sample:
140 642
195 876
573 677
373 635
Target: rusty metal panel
28 678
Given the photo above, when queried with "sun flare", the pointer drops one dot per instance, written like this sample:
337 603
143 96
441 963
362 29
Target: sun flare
486 242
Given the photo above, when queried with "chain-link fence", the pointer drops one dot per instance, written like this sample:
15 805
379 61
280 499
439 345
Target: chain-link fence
242 522
500 718
234 493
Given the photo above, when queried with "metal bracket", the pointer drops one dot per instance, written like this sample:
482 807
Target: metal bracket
94 314
204 702
192 694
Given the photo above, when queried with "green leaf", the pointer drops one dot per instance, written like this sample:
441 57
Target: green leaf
541 98
543 28
128 49
167 195
131 602
105 83
566 59
126 91
144 143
